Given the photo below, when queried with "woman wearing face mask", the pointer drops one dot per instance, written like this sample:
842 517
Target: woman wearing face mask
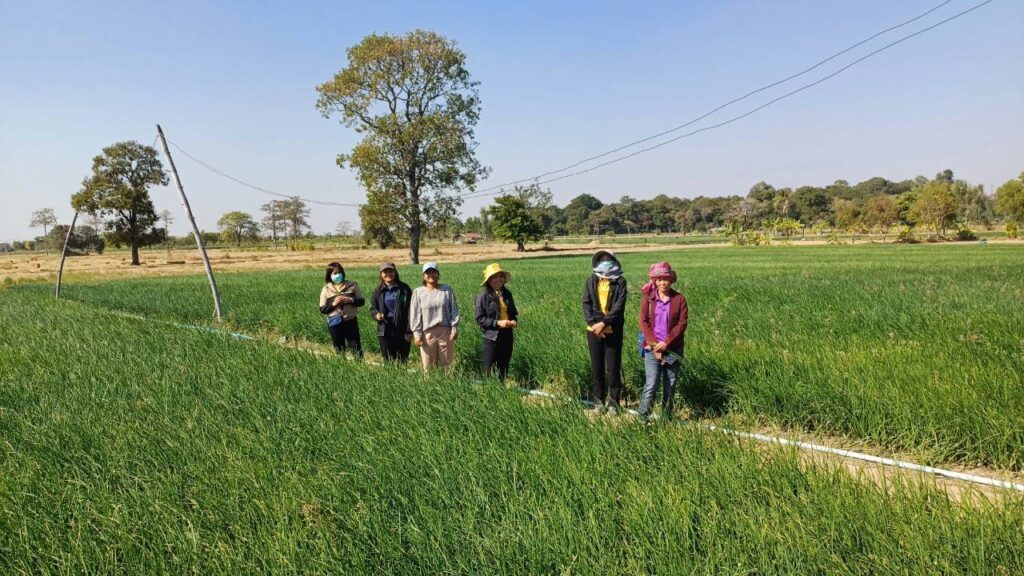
604 305
496 315
339 300
434 319
389 307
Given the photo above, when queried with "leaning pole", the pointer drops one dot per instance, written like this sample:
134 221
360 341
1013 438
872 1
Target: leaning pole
64 253
192 221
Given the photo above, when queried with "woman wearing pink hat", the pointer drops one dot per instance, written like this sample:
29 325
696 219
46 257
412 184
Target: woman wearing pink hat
663 317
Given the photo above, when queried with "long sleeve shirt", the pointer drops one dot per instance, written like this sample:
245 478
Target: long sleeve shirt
347 311
431 308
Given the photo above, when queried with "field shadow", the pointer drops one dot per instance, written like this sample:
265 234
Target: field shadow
703 386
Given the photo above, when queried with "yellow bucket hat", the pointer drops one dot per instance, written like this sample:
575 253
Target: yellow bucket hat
493 269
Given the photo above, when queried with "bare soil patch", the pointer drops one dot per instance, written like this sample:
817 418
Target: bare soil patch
28 267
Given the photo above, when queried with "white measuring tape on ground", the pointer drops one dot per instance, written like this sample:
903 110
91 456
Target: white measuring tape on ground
903 464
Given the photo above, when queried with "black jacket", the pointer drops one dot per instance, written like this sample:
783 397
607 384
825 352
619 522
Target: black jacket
488 309
616 303
399 324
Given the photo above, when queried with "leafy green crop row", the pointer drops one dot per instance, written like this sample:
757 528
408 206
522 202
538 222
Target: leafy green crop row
129 447
915 348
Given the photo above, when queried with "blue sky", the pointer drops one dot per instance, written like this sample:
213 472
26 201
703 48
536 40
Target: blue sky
234 84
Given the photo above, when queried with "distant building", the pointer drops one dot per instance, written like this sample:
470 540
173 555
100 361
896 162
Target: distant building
468 238
5 247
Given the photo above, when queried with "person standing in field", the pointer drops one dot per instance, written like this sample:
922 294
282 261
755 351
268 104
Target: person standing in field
389 307
663 317
338 300
434 319
496 314
604 305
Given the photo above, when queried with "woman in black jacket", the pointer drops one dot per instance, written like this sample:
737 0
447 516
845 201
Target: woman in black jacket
497 316
389 307
604 305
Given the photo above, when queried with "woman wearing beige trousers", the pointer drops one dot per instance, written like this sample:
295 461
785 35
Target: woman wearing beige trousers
434 319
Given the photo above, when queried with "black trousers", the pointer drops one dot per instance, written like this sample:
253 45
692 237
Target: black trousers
346 335
498 354
606 367
393 345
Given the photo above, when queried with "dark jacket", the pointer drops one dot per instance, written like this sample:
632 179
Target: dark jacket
399 324
678 314
488 309
616 303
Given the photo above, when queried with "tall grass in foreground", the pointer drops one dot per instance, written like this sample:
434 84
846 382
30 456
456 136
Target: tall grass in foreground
916 348
129 448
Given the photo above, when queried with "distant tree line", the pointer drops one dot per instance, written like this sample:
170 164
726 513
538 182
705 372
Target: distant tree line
876 205
933 206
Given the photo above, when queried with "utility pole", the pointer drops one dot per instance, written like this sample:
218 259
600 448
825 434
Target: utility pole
64 253
192 221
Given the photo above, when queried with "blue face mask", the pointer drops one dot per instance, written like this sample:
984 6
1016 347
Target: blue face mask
605 266
337 278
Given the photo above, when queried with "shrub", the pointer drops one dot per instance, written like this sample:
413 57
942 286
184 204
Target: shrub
1012 230
296 246
963 233
905 235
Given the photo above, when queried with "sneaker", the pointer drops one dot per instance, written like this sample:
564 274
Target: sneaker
598 409
613 411
643 418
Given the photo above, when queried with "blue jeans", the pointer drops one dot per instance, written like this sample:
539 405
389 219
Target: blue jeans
656 373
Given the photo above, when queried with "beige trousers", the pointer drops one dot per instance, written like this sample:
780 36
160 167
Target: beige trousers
438 348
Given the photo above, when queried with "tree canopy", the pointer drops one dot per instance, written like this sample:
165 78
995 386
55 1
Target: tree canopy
516 217
412 99
236 226
118 191
44 218
1010 199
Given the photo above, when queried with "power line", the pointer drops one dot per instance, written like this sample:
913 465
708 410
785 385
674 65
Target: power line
487 192
257 188
716 109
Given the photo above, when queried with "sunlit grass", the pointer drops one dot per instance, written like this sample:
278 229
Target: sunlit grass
914 348
127 447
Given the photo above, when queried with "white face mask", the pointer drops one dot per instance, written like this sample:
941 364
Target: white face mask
605 266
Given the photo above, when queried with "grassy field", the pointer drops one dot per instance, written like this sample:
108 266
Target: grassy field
913 348
128 447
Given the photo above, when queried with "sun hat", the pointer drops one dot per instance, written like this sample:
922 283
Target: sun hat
661 270
387 266
431 266
597 256
658 271
493 269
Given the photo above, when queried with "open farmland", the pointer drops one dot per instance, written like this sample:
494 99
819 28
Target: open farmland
914 349
132 448
137 447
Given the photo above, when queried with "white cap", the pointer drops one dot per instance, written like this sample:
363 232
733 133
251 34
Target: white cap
430 266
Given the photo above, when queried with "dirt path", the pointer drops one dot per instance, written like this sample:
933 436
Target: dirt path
35 267
28 267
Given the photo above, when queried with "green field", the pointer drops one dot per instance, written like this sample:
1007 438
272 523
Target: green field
135 447
914 348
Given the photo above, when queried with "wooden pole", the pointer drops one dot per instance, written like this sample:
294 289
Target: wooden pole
192 221
64 253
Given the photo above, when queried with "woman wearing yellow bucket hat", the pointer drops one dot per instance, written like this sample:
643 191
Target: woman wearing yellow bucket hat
497 316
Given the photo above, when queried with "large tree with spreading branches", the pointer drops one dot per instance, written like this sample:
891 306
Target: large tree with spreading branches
118 192
412 98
